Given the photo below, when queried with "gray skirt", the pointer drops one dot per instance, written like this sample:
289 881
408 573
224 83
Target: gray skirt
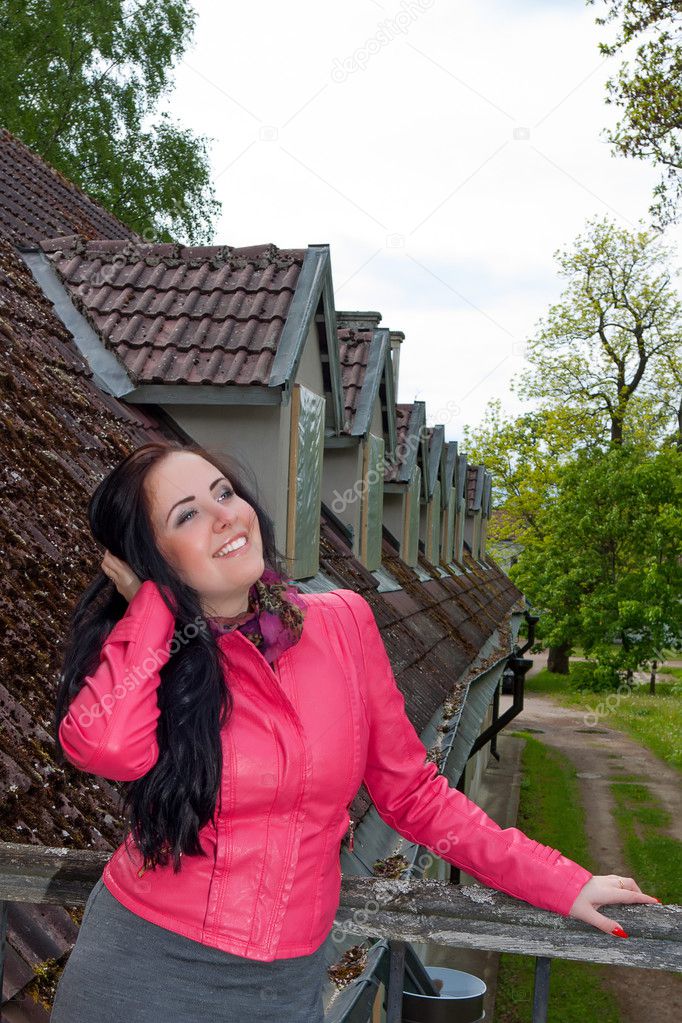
123 967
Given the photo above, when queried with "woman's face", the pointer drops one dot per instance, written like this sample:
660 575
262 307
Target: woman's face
196 517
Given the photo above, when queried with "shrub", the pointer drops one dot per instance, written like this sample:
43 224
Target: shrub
589 676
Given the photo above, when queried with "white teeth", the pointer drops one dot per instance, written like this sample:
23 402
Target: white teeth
234 546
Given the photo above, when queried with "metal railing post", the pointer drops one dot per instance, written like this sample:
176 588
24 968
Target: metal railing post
396 981
541 989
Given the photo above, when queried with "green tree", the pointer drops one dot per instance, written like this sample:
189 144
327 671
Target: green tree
523 453
599 348
81 82
607 568
668 382
648 91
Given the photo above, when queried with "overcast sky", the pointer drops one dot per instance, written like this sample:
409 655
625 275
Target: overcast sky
445 150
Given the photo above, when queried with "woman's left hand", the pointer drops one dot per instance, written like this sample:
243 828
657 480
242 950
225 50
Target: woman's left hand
607 890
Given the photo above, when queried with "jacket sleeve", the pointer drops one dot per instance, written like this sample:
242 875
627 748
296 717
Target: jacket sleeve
416 800
110 726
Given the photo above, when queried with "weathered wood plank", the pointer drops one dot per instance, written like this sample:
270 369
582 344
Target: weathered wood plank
414 910
478 902
36 873
589 945
473 916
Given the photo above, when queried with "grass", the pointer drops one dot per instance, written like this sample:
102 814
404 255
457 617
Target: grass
654 721
575 992
550 811
655 858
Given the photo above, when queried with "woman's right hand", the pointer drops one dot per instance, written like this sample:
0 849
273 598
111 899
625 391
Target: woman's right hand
121 575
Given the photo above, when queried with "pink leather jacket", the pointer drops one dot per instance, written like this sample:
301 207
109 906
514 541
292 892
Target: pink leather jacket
299 742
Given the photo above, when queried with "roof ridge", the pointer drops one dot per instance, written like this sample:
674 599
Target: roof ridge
174 253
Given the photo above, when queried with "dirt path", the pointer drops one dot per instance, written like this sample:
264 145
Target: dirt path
600 755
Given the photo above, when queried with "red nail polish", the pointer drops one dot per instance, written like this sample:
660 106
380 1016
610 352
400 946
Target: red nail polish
619 932
657 900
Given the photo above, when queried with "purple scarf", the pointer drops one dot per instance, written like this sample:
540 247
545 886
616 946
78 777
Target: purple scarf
274 619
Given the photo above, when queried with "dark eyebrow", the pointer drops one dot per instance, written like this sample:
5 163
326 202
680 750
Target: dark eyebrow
193 498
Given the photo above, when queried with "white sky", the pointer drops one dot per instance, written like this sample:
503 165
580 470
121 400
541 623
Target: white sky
408 166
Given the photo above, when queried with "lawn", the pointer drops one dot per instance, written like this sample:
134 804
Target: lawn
551 812
655 857
655 721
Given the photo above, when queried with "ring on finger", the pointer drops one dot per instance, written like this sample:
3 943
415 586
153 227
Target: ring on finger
620 882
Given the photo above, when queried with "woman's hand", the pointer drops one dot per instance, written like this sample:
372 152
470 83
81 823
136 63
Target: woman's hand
121 575
607 890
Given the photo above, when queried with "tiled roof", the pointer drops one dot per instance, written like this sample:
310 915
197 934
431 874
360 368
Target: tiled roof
354 348
473 487
402 415
59 436
37 202
183 315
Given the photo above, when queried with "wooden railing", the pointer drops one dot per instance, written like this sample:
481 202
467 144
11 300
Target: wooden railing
396 912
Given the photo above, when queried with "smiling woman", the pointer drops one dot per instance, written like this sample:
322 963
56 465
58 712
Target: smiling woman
186 545
210 536
244 717
165 515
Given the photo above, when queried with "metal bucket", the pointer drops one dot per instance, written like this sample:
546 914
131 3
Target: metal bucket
460 999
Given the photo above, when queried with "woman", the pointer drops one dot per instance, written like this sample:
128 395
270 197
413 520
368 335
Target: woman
243 717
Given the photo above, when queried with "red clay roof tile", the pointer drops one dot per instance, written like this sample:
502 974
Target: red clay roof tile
37 202
403 412
183 315
354 348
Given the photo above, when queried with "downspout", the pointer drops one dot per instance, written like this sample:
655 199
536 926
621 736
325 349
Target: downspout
516 666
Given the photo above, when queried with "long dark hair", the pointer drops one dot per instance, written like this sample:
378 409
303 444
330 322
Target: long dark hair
167 807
